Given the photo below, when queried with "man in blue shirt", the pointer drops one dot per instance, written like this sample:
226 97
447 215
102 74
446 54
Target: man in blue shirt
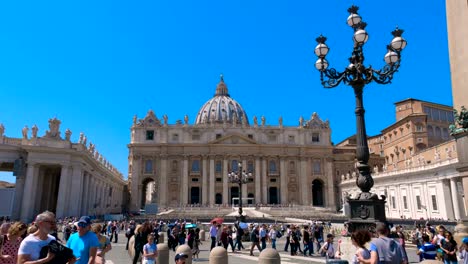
84 243
427 250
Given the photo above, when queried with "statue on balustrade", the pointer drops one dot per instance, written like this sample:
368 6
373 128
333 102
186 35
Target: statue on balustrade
2 130
25 132
34 130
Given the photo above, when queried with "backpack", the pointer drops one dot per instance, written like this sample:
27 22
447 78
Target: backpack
278 234
389 250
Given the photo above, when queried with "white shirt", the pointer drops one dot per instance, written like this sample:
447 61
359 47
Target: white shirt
31 245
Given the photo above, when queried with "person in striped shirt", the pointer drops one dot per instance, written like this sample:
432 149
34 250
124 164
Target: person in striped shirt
427 250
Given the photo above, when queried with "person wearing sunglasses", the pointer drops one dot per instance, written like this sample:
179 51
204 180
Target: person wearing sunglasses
84 243
30 247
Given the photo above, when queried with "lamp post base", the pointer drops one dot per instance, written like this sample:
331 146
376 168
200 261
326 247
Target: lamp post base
365 211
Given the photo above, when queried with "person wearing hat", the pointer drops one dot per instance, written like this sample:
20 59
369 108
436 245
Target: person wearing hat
464 251
180 258
84 243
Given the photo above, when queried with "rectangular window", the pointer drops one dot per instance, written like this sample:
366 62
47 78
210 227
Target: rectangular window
272 180
195 137
110 191
418 202
250 136
194 179
175 137
234 165
291 139
195 166
148 166
272 138
393 202
219 179
405 203
149 134
218 166
218 136
317 167
315 137
250 167
434 202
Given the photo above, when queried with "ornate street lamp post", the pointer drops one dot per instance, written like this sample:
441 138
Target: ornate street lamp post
240 177
366 208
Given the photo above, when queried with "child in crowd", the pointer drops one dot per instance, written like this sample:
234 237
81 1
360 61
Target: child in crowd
464 251
150 251
359 240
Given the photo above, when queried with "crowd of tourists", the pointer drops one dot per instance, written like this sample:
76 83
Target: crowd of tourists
86 242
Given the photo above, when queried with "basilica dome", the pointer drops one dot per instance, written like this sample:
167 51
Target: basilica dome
222 108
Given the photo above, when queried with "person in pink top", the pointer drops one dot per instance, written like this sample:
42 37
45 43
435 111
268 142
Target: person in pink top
11 243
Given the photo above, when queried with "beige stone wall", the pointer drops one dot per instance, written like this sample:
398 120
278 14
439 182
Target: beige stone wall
457 19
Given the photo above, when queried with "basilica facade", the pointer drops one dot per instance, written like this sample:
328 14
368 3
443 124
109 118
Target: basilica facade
186 163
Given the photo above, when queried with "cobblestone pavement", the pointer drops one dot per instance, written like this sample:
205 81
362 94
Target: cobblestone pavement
118 254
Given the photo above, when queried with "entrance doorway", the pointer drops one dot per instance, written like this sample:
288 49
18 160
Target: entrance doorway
273 195
148 192
49 185
195 195
234 194
317 193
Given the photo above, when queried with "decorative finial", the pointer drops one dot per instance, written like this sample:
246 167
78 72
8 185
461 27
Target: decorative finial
353 9
321 39
221 77
397 32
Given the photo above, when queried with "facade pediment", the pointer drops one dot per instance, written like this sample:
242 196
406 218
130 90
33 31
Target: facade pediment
150 120
234 139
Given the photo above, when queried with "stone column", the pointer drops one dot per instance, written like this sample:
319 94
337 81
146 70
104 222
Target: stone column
85 196
264 181
331 192
184 186
257 174
212 192
225 182
163 182
204 197
64 192
304 181
77 190
283 182
456 205
244 186
19 190
29 195
134 202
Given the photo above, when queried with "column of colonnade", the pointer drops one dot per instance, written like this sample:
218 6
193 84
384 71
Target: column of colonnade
225 182
264 181
204 199
257 181
303 179
212 191
283 182
163 182
29 194
454 192
64 191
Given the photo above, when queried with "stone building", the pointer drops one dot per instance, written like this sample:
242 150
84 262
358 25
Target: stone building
55 174
418 160
189 163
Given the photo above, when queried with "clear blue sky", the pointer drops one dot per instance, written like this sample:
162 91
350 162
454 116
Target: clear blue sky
95 64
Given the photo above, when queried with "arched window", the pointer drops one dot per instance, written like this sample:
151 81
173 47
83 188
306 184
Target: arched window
445 134
148 166
272 166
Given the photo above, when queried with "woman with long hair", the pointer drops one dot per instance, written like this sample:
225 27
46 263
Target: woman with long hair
359 239
11 243
104 244
449 247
